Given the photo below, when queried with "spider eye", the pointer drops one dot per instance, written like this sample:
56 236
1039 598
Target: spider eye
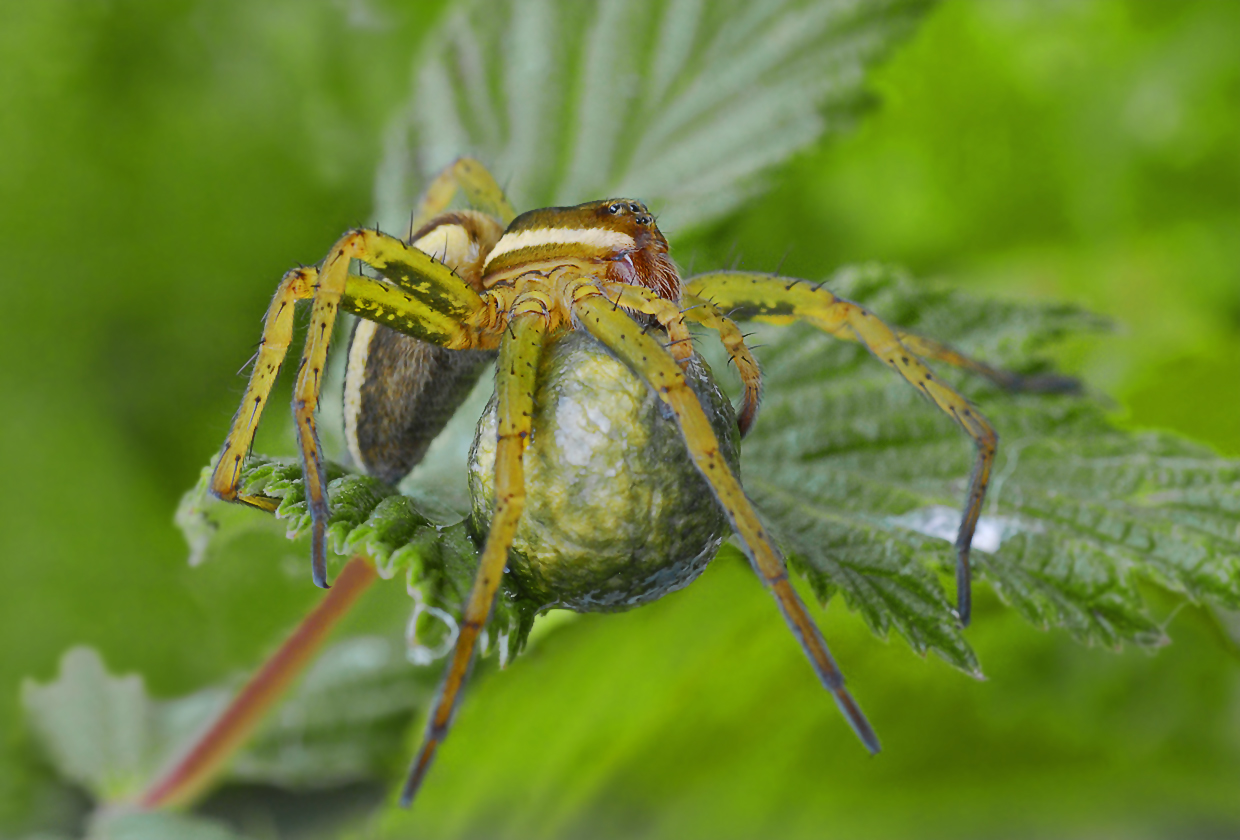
635 208
615 208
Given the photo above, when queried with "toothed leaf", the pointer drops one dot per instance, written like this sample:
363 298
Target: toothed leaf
344 721
540 91
372 518
863 479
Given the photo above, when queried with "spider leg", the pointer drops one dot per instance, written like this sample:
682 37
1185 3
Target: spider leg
1043 383
711 316
392 306
401 390
516 371
478 184
406 267
646 356
927 348
779 300
272 348
669 314
425 296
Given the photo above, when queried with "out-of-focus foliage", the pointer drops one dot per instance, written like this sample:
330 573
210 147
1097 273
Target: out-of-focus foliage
187 153
682 102
1074 151
342 723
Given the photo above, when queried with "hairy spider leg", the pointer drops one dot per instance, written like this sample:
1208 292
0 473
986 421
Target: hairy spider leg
649 302
515 380
400 390
364 296
926 348
710 316
471 177
416 278
296 285
782 300
1041 383
645 355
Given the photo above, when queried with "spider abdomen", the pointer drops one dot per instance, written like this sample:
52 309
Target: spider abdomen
616 515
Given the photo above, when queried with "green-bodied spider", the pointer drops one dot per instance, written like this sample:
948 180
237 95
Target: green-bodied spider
489 280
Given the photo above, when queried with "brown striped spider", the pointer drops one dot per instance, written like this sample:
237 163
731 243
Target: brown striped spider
489 280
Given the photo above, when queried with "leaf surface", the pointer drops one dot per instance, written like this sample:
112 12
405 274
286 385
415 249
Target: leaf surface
371 518
682 103
864 480
342 722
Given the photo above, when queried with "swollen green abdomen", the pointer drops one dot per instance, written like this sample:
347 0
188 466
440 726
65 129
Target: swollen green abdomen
616 515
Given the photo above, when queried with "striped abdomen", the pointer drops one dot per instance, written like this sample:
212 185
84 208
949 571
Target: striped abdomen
401 391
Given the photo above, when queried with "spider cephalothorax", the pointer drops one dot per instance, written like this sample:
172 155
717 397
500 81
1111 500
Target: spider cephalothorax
617 236
475 285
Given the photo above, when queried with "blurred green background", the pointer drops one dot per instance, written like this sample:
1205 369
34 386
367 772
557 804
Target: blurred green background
162 164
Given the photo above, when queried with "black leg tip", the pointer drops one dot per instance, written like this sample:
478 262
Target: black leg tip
870 740
318 572
318 559
413 782
1051 383
964 580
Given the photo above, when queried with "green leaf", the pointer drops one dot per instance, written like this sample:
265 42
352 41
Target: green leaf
159 825
371 518
96 728
683 103
863 480
344 721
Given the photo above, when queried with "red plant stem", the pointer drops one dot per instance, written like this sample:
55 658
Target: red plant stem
191 774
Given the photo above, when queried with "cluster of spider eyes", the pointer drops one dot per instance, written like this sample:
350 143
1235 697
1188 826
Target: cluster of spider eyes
642 218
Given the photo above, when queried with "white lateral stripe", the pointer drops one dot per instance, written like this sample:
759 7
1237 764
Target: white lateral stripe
359 352
598 237
450 244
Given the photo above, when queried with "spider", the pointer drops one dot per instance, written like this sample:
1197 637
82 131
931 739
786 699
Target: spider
468 283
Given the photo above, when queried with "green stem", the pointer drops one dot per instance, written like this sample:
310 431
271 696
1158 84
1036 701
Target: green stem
190 775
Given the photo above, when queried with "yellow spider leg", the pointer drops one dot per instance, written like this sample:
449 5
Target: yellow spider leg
479 186
332 282
272 348
668 314
780 300
429 280
1043 383
413 270
671 316
709 315
928 348
363 296
394 307
516 372
647 358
